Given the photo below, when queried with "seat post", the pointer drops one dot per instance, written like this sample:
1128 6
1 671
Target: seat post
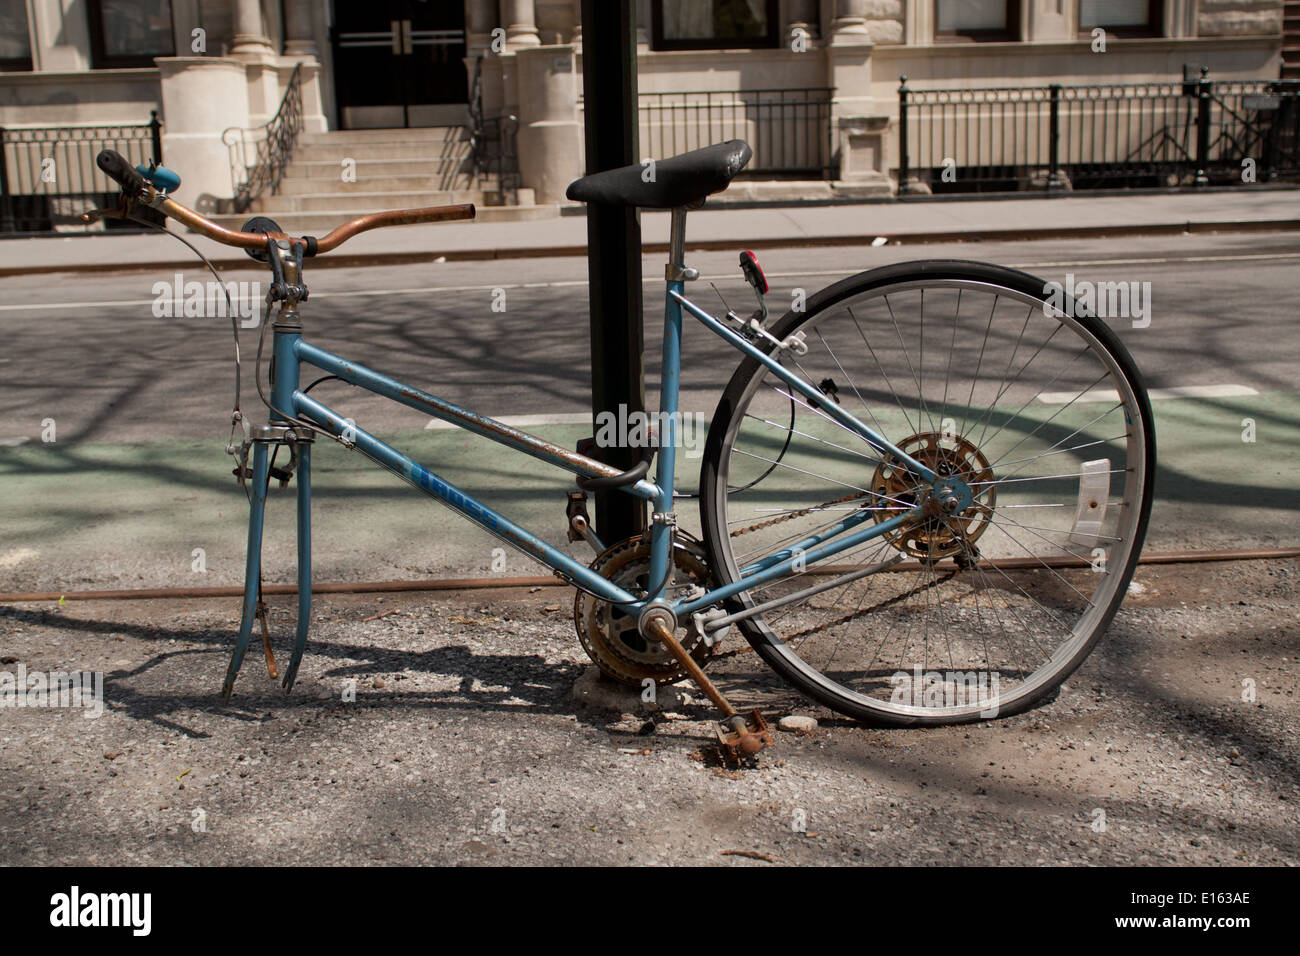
677 246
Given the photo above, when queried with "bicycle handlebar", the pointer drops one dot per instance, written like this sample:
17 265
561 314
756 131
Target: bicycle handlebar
117 168
136 186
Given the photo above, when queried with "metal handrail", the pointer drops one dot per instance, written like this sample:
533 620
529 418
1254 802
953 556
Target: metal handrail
270 144
492 142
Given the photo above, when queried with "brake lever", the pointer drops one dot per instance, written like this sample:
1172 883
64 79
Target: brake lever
123 211
124 207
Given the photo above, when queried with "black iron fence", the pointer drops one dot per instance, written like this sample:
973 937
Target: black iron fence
1193 131
259 156
48 175
789 130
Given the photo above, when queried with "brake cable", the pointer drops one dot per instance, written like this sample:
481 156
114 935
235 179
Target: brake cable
236 416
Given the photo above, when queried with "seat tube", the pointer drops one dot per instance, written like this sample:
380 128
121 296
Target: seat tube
661 527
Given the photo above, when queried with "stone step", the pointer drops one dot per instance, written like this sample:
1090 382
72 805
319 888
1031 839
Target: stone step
370 182
334 152
359 203
439 134
376 169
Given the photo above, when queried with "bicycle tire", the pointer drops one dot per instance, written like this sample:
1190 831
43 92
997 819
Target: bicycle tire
860 297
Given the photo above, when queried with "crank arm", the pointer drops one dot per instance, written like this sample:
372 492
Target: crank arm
739 737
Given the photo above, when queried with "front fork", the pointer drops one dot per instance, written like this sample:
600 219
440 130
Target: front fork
279 433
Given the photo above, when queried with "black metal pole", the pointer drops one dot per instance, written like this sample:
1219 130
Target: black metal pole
609 92
1054 140
155 128
1203 91
902 135
7 213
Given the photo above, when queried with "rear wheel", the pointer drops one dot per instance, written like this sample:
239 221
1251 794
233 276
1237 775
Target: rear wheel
1035 416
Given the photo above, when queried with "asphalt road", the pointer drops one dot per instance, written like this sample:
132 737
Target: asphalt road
89 353
136 479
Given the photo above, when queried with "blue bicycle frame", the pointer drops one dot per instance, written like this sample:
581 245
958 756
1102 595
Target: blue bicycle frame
292 351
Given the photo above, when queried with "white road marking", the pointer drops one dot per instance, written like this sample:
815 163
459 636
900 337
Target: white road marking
573 283
1155 394
527 421
13 442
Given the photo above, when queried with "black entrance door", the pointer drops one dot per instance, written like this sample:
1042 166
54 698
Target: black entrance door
399 62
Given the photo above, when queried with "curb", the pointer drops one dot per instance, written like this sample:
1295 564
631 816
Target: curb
362 260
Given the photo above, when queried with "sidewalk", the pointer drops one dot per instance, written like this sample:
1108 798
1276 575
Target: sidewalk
766 227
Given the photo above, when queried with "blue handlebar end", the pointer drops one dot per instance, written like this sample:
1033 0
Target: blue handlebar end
162 178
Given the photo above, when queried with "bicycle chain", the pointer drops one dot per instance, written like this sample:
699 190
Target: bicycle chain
796 514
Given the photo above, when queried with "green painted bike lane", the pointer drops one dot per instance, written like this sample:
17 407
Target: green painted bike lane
169 513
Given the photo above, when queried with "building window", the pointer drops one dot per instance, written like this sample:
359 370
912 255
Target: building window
714 24
1131 18
977 19
15 42
129 33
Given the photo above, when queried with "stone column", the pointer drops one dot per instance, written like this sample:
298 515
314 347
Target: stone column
550 135
480 23
250 38
521 24
859 125
201 97
299 30
252 46
850 24
803 21
575 38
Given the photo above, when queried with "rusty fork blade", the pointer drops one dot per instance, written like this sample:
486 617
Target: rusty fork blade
271 669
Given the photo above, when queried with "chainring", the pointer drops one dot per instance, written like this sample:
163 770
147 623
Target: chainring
610 636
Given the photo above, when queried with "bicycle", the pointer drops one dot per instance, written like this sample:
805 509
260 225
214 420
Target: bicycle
987 523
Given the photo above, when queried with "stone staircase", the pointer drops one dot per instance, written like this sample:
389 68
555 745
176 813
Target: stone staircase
336 176
1291 40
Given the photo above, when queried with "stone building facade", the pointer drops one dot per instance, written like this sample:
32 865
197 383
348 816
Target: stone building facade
212 65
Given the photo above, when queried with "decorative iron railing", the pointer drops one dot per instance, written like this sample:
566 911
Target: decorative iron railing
48 175
492 142
259 156
789 130
1193 131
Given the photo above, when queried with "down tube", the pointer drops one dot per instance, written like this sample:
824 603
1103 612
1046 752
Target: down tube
449 494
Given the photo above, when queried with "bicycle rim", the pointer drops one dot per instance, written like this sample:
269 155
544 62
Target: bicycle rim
961 366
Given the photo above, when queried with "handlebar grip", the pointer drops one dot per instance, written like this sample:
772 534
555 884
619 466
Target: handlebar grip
117 168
